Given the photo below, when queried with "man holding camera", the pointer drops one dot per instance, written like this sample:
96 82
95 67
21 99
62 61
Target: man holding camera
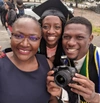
76 41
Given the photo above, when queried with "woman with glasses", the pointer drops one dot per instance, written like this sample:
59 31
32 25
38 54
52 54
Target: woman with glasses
23 72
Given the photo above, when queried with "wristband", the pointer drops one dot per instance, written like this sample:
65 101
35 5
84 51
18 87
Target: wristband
64 97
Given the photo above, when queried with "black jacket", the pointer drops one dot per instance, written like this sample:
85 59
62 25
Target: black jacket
11 17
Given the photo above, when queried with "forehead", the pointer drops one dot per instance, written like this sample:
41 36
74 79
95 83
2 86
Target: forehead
26 26
76 28
51 18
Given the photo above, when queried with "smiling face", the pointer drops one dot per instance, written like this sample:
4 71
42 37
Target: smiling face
76 40
52 29
25 39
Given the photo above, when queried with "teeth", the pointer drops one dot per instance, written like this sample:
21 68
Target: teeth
51 38
25 51
71 50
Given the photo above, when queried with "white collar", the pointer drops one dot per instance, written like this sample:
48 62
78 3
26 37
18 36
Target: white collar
78 63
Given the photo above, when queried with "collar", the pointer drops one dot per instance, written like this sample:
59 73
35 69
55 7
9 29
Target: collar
79 63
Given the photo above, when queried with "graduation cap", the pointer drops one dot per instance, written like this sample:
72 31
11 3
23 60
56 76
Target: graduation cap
53 7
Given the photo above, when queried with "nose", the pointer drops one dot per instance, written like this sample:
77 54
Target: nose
71 42
51 30
25 42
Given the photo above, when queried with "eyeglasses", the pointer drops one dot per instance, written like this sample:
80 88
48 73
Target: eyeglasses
21 37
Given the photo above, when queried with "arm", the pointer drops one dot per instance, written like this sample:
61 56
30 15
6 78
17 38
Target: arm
55 90
53 99
2 54
85 88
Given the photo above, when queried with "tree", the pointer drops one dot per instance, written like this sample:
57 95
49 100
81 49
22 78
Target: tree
76 1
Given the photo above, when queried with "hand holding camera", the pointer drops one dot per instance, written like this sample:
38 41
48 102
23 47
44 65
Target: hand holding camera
52 87
59 77
63 75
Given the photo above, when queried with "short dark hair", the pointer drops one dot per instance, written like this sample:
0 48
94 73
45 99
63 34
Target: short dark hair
9 4
80 20
19 2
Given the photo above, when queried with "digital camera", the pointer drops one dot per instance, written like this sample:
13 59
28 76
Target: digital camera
63 74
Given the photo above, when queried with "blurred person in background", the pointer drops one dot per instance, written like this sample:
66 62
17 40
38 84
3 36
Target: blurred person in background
2 9
1 2
10 15
20 8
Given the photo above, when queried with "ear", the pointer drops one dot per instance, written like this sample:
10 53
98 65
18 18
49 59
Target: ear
90 38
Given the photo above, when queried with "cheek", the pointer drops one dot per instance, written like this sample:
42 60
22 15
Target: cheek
13 43
64 43
44 32
35 46
59 34
83 48
85 45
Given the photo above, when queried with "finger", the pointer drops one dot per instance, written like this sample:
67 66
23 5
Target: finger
83 94
53 89
83 91
50 79
80 88
51 72
84 81
86 95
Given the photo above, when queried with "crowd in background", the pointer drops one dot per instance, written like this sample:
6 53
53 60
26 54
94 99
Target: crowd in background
9 12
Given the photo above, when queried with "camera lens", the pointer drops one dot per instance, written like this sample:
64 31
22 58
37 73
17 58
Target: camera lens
62 78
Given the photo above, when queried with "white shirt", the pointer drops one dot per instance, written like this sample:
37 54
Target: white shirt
79 63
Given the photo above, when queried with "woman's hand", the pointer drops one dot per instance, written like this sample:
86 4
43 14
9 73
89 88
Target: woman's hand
52 88
85 88
1 53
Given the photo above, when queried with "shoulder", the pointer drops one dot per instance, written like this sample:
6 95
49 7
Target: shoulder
98 49
40 56
13 11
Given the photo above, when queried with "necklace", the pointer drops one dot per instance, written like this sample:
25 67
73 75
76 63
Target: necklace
51 51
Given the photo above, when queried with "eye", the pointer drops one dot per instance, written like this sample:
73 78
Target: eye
67 37
80 37
57 27
18 36
46 27
34 38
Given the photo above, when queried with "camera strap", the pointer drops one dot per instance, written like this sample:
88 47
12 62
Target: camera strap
59 100
72 63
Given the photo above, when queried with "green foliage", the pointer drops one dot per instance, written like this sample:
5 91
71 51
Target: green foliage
79 1
96 30
97 0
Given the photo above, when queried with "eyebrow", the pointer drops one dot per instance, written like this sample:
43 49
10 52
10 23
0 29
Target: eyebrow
18 32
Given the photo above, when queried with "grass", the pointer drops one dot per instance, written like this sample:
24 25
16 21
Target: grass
96 30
